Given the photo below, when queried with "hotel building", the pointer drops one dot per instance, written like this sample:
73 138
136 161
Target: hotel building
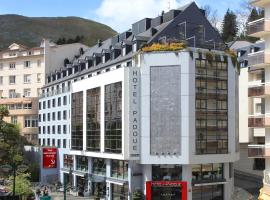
258 93
22 74
159 122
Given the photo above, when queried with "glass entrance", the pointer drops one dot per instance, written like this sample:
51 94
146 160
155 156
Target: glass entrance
166 193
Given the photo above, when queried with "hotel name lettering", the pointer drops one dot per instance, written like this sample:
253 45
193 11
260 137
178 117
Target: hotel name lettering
134 113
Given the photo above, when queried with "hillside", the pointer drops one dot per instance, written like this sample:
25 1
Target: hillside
30 30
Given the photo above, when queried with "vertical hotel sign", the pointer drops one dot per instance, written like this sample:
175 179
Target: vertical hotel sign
134 113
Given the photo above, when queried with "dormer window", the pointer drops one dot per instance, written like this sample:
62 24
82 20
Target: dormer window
134 47
103 58
124 51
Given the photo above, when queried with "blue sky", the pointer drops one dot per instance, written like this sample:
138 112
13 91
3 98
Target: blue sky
118 14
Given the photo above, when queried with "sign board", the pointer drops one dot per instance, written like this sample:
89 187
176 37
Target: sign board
176 190
134 112
49 158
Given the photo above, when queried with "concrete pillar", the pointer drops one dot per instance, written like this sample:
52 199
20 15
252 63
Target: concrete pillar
187 176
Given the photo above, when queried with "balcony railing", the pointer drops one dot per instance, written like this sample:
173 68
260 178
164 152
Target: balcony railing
259 121
258 151
259 59
258 28
259 91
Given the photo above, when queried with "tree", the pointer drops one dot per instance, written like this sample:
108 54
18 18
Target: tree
23 185
229 26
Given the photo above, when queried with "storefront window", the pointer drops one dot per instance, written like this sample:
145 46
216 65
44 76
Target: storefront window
120 169
119 192
99 166
212 192
68 161
81 163
166 172
207 172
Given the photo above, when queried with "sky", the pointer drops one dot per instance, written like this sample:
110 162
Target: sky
118 14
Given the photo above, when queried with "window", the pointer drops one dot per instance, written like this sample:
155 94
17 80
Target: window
1 80
49 103
53 116
53 103
48 117
12 80
43 142
27 64
64 114
211 107
27 78
48 130
53 129
81 163
59 101
27 92
39 117
44 104
30 121
39 130
44 129
113 118
59 115
99 166
119 169
59 143
12 93
77 121
53 142
68 161
27 106
12 65
59 129
38 78
38 63
93 120
207 192
64 143
163 173
14 120
39 106
64 129
120 191
207 172
258 107
44 117
65 100
48 142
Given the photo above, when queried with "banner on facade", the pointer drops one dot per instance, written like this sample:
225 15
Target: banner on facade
49 158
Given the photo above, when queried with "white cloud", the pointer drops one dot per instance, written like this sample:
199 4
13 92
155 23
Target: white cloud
120 14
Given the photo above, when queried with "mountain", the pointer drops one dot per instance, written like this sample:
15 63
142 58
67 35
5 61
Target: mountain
30 31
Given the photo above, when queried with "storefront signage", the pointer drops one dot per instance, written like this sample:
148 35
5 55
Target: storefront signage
134 114
166 189
49 158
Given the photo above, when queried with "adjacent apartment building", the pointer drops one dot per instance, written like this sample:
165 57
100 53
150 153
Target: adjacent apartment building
258 93
22 75
151 121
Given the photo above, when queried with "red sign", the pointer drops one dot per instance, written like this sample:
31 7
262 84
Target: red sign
49 157
168 189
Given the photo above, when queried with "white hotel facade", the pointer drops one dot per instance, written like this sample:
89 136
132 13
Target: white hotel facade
163 122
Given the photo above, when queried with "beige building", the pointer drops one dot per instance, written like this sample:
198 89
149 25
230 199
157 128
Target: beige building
22 74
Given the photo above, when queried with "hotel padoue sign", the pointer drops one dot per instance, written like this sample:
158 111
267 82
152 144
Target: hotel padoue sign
134 113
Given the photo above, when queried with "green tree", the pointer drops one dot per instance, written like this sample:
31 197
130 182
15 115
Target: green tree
229 26
23 184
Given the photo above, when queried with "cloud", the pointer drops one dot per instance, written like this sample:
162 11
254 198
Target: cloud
120 14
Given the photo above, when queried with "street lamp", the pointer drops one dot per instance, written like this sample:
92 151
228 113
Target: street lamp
14 168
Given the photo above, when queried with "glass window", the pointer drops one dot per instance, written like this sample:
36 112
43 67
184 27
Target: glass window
166 173
113 118
81 163
59 115
99 166
27 64
68 161
14 119
65 100
30 121
59 101
119 192
77 121
93 120
119 169
207 172
207 192
27 78
12 65
12 79
65 114
49 103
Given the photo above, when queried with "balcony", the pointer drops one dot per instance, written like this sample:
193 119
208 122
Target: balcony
259 91
259 59
258 151
258 28
259 121
259 3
